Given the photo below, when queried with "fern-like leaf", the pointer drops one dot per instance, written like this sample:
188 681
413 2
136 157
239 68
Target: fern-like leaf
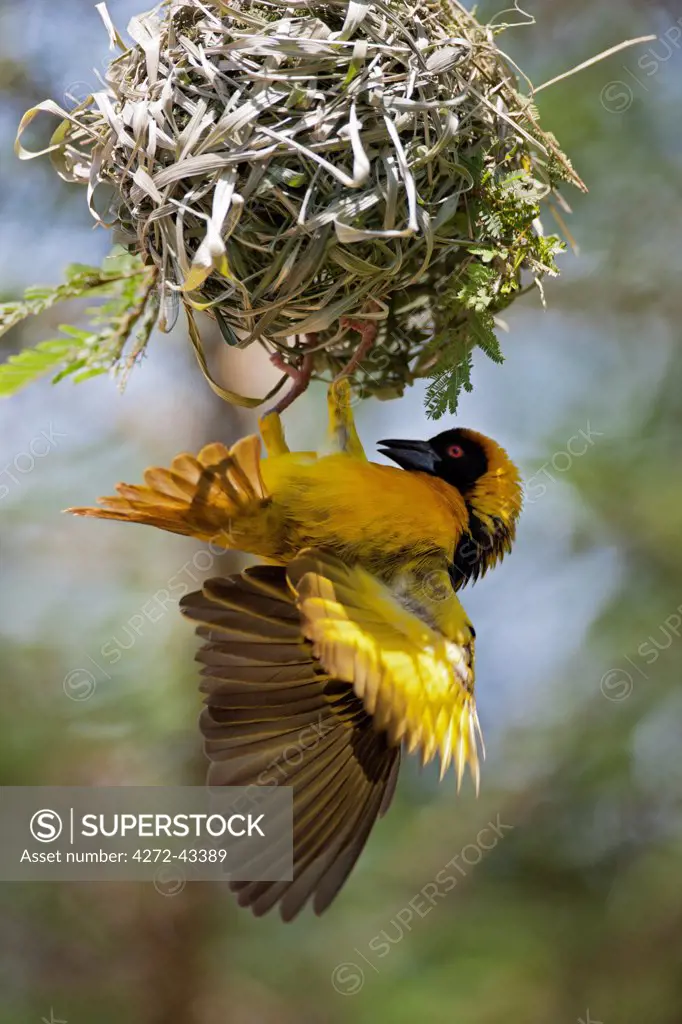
442 394
482 333
453 371
81 280
122 324
32 363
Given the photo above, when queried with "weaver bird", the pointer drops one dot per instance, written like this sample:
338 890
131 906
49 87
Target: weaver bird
355 631
455 509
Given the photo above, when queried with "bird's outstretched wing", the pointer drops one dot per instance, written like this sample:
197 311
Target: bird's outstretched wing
415 682
274 716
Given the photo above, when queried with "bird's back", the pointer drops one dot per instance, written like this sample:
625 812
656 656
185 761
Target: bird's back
372 514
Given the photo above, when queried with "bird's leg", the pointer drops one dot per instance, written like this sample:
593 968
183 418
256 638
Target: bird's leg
300 375
368 330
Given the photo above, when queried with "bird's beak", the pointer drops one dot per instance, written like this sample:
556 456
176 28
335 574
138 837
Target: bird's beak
417 455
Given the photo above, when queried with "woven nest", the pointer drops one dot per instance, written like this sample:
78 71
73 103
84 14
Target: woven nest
288 166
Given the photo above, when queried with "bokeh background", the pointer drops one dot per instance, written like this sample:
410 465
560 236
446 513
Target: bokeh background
575 912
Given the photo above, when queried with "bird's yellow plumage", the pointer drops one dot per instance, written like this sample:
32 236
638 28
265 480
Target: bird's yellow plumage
275 506
365 511
357 621
415 681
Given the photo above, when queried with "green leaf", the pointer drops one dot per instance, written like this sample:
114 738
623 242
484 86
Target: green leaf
486 255
32 363
442 394
482 333
477 291
114 337
453 371
87 374
81 280
225 329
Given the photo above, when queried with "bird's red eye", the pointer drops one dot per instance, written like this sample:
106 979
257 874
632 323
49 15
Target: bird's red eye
455 451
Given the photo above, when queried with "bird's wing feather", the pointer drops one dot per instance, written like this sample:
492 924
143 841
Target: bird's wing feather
415 682
274 716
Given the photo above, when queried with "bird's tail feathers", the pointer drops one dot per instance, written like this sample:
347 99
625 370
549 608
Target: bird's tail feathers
218 495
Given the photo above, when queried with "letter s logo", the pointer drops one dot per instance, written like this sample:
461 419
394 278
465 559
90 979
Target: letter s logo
46 826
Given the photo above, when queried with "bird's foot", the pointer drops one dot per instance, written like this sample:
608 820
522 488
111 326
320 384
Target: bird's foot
300 376
368 330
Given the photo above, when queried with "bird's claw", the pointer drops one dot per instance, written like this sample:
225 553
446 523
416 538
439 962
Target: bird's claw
279 362
367 329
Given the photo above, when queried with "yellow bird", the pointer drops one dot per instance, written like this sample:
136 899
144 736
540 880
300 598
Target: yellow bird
455 509
320 667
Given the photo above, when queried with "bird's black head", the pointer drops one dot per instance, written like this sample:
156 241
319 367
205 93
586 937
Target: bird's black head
454 456
488 481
